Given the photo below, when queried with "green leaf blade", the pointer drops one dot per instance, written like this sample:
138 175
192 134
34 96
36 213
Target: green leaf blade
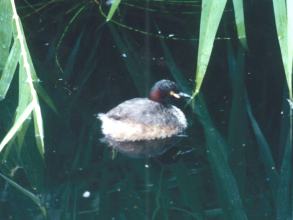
16 126
5 31
27 66
284 20
9 70
212 12
39 128
113 9
217 154
240 22
27 193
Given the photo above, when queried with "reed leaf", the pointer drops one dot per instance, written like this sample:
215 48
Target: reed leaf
36 81
113 9
284 190
211 15
24 100
265 151
240 21
9 69
217 150
284 24
16 126
5 31
217 154
290 34
45 97
238 123
27 193
25 67
31 78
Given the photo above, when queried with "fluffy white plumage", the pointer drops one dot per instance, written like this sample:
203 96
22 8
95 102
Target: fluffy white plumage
148 120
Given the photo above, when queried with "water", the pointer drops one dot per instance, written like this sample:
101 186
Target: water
228 166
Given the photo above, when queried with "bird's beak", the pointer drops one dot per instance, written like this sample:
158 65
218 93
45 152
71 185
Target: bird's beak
185 95
175 95
179 95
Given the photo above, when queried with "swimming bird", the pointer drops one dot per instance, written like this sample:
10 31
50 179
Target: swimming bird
146 119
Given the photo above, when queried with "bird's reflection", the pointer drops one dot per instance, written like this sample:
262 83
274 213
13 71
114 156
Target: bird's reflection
143 149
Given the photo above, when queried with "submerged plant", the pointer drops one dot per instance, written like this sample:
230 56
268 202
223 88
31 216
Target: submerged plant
91 55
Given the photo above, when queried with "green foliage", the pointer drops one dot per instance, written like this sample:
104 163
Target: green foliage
27 193
15 57
284 24
211 14
28 99
113 9
236 162
5 32
240 21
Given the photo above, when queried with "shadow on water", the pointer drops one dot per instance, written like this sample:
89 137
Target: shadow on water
227 166
143 149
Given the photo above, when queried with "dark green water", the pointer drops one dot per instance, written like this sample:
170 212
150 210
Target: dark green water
227 167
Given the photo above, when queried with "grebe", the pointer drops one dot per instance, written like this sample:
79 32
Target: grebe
146 119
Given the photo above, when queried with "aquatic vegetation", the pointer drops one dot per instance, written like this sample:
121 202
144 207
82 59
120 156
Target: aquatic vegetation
62 62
